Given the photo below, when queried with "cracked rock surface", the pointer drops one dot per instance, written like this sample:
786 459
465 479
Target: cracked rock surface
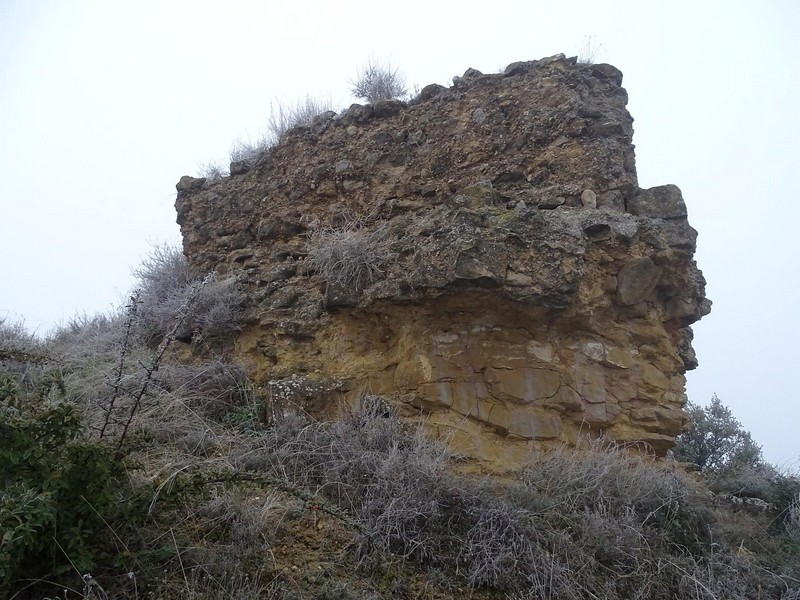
499 269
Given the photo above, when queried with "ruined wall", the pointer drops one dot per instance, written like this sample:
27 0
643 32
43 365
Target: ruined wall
515 283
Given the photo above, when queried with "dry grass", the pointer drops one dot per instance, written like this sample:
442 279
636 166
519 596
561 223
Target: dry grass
284 117
351 256
589 50
233 500
164 283
377 81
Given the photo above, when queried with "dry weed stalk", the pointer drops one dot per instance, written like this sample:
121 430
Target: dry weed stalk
119 417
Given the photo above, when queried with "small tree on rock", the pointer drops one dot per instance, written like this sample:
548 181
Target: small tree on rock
716 442
379 81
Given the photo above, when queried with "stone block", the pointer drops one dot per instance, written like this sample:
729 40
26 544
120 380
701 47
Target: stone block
522 386
662 202
636 280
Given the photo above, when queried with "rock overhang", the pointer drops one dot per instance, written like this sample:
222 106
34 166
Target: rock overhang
519 285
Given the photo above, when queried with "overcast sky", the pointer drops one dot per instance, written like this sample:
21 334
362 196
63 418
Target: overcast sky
104 105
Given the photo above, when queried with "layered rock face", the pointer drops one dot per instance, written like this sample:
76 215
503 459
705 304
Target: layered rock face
482 256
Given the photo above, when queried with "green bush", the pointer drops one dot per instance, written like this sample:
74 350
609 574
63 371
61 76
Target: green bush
59 489
716 442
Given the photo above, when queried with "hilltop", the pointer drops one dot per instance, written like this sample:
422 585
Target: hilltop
425 349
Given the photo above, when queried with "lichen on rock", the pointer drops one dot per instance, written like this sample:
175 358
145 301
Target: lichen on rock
508 276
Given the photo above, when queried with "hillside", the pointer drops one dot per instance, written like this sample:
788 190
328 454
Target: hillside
125 480
427 349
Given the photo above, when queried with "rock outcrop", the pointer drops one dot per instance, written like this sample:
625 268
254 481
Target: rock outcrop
481 255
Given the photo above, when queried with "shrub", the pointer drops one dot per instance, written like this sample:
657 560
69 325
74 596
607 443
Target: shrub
114 365
15 334
378 81
282 118
212 171
576 523
59 489
716 442
211 389
349 257
248 152
761 481
88 351
20 353
165 281
792 520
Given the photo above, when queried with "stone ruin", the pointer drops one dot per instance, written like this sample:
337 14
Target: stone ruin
481 256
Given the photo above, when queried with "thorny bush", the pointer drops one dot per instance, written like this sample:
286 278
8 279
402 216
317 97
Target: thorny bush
58 488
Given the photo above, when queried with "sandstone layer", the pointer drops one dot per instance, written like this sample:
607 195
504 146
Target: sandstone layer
481 255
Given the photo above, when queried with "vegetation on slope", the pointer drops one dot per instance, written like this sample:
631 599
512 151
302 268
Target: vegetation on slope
131 468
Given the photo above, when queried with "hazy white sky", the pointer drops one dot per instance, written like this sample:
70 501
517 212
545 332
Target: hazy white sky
104 105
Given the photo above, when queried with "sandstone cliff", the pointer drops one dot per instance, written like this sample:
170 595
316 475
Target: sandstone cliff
482 254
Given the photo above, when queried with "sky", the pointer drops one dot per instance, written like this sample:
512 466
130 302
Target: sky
105 105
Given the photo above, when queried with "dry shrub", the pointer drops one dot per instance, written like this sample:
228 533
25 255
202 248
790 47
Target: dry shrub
284 117
211 389
212 171
89 351
576 523
378 81
610 479
111 367
249 152
351 256
222 549
21 354
165 282
792 521
15 334
762 481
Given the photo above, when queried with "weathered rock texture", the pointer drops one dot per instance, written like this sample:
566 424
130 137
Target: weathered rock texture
498 265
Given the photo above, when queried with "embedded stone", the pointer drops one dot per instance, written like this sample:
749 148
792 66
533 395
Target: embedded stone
540 350
637 280
589 199
662 202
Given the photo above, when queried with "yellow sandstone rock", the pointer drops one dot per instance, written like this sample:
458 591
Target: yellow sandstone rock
498 274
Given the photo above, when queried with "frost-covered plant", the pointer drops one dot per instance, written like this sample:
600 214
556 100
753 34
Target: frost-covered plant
246 151
717 441
378 81
351 256
164 281
793 520
212 171
58 489
284 117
